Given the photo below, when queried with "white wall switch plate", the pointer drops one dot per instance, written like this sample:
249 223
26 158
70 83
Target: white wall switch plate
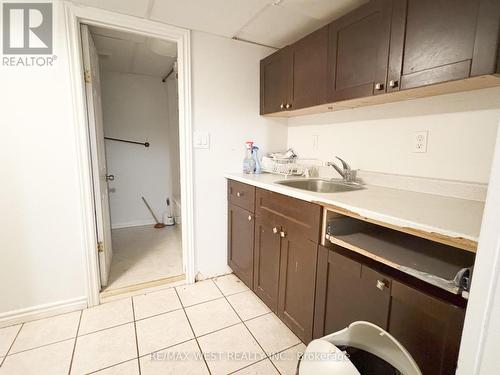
420 141
201 139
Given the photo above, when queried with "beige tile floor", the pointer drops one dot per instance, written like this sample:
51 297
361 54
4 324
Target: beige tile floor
142 254
162 332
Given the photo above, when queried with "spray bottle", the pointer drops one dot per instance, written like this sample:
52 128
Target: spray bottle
249 161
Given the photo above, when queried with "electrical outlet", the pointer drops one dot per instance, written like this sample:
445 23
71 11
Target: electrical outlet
315 142
420 141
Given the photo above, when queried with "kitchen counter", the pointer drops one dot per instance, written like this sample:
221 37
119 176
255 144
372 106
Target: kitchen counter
450 220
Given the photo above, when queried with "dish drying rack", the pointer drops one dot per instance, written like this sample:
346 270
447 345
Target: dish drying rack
288 166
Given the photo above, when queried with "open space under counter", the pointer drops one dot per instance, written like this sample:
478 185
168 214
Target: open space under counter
441 265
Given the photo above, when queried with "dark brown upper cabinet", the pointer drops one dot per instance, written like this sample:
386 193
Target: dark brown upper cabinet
386 46
439 40
309 59
276 81
358 51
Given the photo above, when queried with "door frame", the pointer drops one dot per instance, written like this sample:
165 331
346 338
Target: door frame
74 16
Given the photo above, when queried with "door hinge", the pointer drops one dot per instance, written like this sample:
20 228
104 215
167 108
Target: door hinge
100 247
87 77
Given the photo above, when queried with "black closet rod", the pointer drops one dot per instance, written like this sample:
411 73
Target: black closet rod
145 144
168 75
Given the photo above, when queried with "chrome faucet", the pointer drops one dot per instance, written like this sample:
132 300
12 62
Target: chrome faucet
348 175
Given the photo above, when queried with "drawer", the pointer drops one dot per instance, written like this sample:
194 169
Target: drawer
297 212
242 195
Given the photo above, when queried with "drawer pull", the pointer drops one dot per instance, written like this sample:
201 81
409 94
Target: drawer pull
393 83
239 194
380 285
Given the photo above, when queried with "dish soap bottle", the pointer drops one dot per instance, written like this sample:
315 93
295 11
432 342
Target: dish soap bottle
249 161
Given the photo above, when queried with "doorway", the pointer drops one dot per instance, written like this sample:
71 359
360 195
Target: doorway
76 16
132 105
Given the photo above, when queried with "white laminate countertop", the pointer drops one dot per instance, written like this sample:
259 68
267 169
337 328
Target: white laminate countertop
447 216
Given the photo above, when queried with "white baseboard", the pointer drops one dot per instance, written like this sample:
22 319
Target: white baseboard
136 223
11 318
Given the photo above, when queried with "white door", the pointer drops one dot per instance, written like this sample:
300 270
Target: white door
98 153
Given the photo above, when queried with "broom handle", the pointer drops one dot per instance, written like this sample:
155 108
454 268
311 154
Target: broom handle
150 210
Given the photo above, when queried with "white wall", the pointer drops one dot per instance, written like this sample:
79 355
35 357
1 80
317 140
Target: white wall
40 221
461 138
225 76
41 254
481 336
135 107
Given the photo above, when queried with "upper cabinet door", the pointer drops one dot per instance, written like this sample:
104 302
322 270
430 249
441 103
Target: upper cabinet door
358 52
276 82
438 42
310 70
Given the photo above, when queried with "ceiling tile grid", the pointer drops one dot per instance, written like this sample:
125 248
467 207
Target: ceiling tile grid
275 23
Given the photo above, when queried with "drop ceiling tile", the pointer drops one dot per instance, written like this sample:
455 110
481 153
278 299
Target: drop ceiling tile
221 17
278 26
114 55
135 7
323 10
283 24
149 63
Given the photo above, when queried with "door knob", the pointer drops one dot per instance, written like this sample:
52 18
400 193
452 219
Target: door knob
288 106
393 83
110 177
249 217
379 86
282 234
282 106
275 230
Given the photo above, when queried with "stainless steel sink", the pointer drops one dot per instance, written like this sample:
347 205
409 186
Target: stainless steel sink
319 185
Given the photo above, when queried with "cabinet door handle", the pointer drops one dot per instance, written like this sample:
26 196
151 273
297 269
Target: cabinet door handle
393 83
275 230
249 217
379 86
380 285
239 194
282 106
288 106
282 234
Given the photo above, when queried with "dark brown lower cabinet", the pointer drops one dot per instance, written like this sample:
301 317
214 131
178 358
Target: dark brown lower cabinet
240 240
285 272
347 291
430 329
267 251
297 281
